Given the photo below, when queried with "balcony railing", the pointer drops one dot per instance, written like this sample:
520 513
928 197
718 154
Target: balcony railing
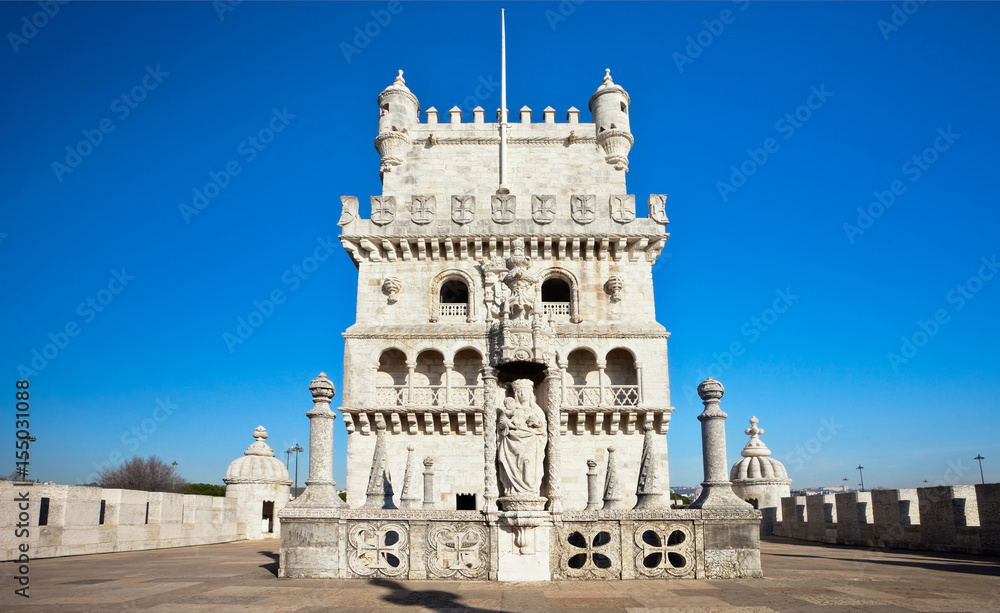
454 310
555 308
428 395
590 395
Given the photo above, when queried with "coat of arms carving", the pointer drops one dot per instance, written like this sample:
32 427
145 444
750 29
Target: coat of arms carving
583 207
622 208
543 209
383 209
463 209
503 208
349 210
422 209
658 208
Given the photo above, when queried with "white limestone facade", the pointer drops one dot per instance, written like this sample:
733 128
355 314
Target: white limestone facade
432 260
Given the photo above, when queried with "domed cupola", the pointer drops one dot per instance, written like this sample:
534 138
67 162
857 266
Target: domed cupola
756 462
399 111
609 110
258 464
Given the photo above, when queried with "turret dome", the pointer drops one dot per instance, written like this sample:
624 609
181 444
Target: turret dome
258 464
756 463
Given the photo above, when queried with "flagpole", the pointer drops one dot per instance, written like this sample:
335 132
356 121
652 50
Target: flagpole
503 104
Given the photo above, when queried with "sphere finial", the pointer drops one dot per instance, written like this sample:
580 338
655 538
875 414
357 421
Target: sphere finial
322 389
710 389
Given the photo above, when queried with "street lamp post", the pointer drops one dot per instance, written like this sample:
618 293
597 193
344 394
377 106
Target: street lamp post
288 456
845 484
860 469
296 449
980 457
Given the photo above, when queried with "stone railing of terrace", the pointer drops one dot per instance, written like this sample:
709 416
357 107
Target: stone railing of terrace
950 518
79 520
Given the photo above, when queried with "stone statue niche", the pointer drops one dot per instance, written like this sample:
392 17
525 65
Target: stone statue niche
521 442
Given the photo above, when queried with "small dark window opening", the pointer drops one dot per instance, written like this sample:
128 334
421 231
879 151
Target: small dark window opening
267 517
465 502
614 127
147 514
555 290
100 520
754 502
624 108
454 292
43 512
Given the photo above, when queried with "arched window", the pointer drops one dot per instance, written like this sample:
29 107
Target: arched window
390 378
428 379
623 390
584 387
453 296
556 297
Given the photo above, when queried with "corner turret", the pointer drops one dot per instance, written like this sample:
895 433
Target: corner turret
609 109
399 111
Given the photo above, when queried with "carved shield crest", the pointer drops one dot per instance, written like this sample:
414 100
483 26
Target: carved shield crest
422 209
463 209
383 209
543 209
349 210
622 208
658 208
583 207
503 208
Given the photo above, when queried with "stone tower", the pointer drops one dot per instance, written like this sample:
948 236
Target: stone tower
260 484
760 479
464 288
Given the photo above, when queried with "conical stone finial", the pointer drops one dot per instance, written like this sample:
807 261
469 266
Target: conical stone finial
612 489
379 493
648 493
410 499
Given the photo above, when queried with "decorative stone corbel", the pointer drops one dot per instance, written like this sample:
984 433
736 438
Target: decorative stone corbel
614 286
392 286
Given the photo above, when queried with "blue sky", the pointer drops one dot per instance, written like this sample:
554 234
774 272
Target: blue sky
822 106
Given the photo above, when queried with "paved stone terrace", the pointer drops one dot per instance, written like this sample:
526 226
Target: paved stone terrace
241 577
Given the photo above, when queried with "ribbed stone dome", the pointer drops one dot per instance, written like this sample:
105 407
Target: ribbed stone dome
258 464
756 462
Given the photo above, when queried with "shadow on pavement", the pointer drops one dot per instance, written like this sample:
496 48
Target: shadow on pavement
271 567
431 599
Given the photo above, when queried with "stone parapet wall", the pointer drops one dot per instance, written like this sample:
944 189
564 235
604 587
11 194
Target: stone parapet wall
133 520
952 518
418 544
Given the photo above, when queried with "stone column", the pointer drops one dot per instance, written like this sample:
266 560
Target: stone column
717 490
447 384
600 381
594 501
553 450
638 380
490 490
428 483
320 486
410 370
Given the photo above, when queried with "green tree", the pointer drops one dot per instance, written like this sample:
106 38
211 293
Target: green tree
204 489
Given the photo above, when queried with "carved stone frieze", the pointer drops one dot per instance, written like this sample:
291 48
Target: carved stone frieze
588 551
348 210
504 207
664 549
457 551
383 209
463 209
543 209
422 209
583 208
378 549
658 208
622 208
